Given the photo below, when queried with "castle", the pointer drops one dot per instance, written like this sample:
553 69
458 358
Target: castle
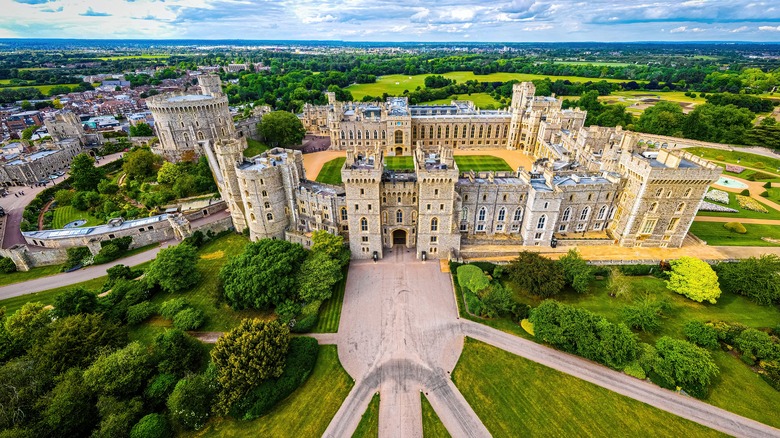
589 185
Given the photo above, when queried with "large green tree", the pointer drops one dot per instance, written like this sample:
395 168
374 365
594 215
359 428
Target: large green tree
177 353
330 244
247 355
695 279
75 301
141 164
536 275
318 274
69 409
120 373
281 129
757 278
680 363
141 130
576 270
190 403
665 118
83 173
175 268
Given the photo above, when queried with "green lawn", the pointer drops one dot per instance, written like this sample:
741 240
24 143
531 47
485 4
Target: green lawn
481 163
47 297
254 148
369 422
669 96
66 214
399 163
306 413
743 213
481 100
516 397
18 276
142 56
331 171
432 426
714 234
594 63
45 89
330 311
745 159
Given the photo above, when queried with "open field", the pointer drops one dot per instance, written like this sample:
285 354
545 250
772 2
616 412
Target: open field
142 56
254 148
432 426
19 276
399 163
594 63
670 96
331 171
516 397
45 89
714 234
369 422
305 413
481 163
330 311
66 214
481 100
743 212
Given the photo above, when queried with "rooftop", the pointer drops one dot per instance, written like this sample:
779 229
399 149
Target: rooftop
188 98
100 229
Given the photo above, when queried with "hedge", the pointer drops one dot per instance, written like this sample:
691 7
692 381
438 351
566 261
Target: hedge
189 319
138 313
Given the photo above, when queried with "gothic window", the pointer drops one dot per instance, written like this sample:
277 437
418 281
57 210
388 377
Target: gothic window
269 216
669 193
481 214
376 135
399 137
480 131
518 214
680 207
343 213
602 212
363 224
383 134
501 214
456 132
659 192
447 131
359 137
488 131
252 216
653 207
464 132
472 131
267 205
200 135
430 132
584 214
540 223
612 213
351 135
263 193
367 135
422 132
687 193
342 135
384 217
434 224
566 214
399 216
438 132
414 132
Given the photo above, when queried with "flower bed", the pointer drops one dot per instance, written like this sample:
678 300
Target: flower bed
709 206
734 168
750 204
717 196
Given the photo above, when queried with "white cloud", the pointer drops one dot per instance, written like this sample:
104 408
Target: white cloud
769 29
538 28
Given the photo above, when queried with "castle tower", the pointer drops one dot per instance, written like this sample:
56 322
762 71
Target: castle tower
522 93
362 177
438 218
210 85
223 156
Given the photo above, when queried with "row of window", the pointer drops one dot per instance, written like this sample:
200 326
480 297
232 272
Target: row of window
459 133
660 192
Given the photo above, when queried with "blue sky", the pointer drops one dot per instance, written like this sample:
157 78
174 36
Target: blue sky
397 20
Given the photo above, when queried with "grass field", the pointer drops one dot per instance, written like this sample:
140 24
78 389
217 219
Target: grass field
669 96
254 148
714 234
481 163
771 212
45 89
67 213
331 171
516 397
744 158
432 426
18 276
142 56
481 100
594 63
330 311
306 413
369 422
399 163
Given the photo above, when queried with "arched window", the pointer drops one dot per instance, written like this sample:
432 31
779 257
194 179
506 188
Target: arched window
602 212
384 217
659 192
430 131
399 137
566 214
343 213
343 137
501 214
464 214
399 216
422 132
456 132
267 205
488 131
669 193
367 134
687 193
359 136
383 134
518 214
200 135
351 135
263 193
438 132
447 131
464 132
252 216
376 135
480 130
435 224
414 132
584 214
680 207
363 224
481 214
612 213
541 222
269 216
472 130
653 207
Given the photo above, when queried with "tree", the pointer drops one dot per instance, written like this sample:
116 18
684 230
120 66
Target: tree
263 275
281 129
318 274
120 373
28 132
190 402
83 173
152 426
757 278
618 284
141 130
680 363
665 118
141 164
757 344
247 355
27 326
695 279
472 278
23 384
168 173
75 301
63 197
330 244
175 268
117 417
7 265
536 275
576 270
69 409
177 353
645 315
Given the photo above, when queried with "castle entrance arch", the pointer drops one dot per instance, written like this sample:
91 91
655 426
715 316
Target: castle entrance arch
399 237
399 151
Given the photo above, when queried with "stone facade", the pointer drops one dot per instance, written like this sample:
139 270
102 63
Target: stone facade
35 167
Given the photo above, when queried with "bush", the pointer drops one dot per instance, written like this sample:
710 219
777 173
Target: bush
140 312
745 192
720 158
301 358
189 319
635 370
76 256
308 318
768 185
191 400
170 308
764 194
7 265
695 279
757 344
683 364
759 176
472 278
735 227
636 270
160 387
152 426
701 334
728 332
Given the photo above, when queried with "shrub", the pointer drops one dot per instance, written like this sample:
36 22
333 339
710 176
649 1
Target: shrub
152 426
308 318
645 316
764 194
527 326
140 312
735 227
635 370
771 374
7 265
158 390
768 185
76 256
189 319
745 192
695 279
472 278
728 332
755 278
759 176
683 364
701 334
646 356
635 270
757 344
170 308
519 311
191 400
720 158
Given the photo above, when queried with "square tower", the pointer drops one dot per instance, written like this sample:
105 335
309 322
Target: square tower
362 177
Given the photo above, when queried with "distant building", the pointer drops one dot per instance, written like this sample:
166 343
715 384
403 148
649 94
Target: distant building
21 121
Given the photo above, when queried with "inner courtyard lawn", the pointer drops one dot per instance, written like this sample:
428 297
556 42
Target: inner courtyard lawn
481 100
369 422
481 163
254 147
306 413
516 397
331 171
67 213
714 234
432 425
399 163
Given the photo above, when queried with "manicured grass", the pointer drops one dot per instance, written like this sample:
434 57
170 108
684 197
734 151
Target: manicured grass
669 96
369 422
745 159
481 163
516 397
306 413
331 171
47 297
18 276
45 89
432 426
743 212
67 213
254 147
481 100
714 234
142 56
399 163
330 311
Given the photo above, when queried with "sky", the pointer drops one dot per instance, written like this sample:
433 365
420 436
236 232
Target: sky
396 20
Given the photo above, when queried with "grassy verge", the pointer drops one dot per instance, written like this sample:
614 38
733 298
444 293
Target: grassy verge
771 212
369 422
399 163
331 171
432 426
67 213
714 234
254 148
306 413
330 311
481 163
744 158
32 274
516 397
